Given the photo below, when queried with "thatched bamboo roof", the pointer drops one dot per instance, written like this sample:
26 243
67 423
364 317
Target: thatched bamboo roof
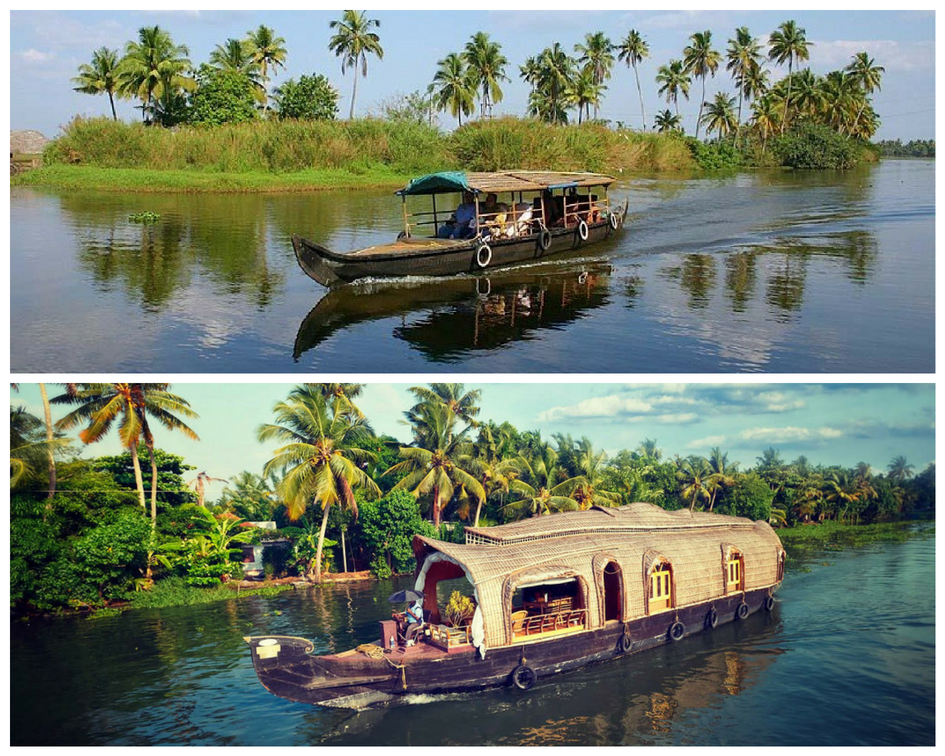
503 181
636 537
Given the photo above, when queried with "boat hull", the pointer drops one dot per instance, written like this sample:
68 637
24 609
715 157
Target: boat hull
355 680
330 268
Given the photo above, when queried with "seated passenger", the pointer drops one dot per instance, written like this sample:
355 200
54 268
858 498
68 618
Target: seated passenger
461 224
414 620
521 220
494 215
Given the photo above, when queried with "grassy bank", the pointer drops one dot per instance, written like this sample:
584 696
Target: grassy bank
304 156
801 540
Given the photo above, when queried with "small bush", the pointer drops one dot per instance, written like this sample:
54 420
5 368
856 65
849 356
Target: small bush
714 156
812 146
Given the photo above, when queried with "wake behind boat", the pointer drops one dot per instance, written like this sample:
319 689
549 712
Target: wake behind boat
548 213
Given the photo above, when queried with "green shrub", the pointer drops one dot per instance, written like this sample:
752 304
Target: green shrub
310 98
714 156
813 146
222 97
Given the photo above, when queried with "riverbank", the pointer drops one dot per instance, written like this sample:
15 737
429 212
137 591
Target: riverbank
834 536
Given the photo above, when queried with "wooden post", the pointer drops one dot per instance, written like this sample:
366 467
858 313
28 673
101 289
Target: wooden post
403 204
436 224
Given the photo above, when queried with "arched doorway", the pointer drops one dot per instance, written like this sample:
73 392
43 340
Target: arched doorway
613 592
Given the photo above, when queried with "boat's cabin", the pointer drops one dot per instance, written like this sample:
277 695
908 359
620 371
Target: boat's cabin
552 607
504 205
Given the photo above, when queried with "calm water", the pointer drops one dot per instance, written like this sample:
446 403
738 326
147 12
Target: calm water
768 271
846 658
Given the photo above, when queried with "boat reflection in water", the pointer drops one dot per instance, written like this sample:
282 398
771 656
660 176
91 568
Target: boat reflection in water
446 318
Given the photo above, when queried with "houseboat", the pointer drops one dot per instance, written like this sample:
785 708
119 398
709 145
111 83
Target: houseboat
550 594
493 220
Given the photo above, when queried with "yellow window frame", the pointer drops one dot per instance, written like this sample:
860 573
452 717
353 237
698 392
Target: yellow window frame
734 573
661 589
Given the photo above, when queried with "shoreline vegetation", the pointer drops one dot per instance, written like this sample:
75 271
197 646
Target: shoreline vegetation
221 125
303 156
337 498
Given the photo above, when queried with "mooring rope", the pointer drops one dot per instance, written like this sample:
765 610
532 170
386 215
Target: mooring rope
376 652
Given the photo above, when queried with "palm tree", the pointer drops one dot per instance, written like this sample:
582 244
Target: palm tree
597 57
131 404
555 77
153 68
453 396
899 469
321 455
235 55
268 51
788 43
674 80
840 101
692 474
344 393
590 465
743 56
433 466
530 71
252 496
867 75
666 121
720 116
199 485
842 491
720 473
486 66
454 87
701 60
764 116
632 51
584 92
100 76
50 441
538 487
808 95
28 452
353 42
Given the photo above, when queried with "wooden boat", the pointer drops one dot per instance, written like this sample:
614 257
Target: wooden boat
548 213
551 594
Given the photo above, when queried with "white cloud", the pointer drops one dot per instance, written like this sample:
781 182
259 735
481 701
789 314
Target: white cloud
677 418
706 443
776 435
830 433
890 54
777 401
35 56
601 406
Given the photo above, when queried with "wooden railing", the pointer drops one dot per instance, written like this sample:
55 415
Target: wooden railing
449 637
538 624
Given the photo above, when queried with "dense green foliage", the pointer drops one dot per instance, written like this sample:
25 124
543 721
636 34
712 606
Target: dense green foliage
311 98
816 146
222 97
920 148
386 529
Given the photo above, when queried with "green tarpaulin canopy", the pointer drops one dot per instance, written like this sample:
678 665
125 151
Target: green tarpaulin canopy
434 183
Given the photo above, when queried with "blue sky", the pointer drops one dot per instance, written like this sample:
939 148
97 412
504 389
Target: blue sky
46 48
829 423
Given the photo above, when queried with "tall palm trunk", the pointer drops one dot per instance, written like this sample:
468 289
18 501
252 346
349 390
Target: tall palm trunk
49 439
787 101
436 507
354 94
139 480
701 105
111 101
154 482
321 543
636 75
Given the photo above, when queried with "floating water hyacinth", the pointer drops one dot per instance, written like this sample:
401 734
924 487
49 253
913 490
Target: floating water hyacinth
145 217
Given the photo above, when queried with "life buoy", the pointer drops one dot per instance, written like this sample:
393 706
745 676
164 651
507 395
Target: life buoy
742 611
676 631
483 255
614 220
523 677
582 278
583 230
544 239
626 643
769 603
712 619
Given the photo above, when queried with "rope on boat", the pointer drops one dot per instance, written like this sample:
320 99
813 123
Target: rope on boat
370 650
376 652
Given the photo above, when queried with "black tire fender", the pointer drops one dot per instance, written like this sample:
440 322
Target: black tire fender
524 677
676 631
742 611
544 239
483 255
769 603
583 230
614 220
626 643
712 619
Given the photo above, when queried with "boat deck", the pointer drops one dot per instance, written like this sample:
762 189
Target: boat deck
413 244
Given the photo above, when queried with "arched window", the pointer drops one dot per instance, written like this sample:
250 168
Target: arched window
613 592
